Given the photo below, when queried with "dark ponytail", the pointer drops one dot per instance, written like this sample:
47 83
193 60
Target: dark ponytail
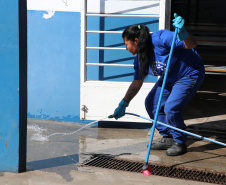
142 33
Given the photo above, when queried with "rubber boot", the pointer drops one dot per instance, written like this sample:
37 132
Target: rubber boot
163 144
177 149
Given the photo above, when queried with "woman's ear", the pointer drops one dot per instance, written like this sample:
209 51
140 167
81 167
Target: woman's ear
136 41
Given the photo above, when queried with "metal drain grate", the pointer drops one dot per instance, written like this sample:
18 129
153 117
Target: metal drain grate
159 170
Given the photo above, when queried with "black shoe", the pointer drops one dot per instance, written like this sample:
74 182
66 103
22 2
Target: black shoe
177 149
162 144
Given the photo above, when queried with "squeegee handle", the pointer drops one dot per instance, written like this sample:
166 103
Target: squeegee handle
180 130
160 97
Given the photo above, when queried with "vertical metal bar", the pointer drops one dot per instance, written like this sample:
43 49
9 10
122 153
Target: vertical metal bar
168 14
83 41
83 60
162 14
101 41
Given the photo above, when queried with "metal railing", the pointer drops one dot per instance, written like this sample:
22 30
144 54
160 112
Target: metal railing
84 32
117 15
114 65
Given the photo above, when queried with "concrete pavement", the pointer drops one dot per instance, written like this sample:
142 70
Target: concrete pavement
56 160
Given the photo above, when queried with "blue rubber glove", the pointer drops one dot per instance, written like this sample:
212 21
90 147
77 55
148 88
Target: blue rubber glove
178 23
120 110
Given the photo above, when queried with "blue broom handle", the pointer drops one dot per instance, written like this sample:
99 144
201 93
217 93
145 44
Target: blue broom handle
186 132
160 97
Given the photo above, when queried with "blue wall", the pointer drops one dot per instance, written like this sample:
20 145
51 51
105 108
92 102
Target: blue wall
9 83
54 60
54 66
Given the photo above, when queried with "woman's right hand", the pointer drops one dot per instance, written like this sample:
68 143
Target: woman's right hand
120 110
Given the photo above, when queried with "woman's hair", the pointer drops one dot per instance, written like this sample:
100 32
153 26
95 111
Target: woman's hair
142 33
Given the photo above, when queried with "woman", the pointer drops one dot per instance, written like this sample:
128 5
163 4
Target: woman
186 73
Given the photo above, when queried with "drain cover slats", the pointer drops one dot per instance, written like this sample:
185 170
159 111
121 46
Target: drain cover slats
159 170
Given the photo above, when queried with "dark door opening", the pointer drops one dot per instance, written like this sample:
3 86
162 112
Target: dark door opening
206 20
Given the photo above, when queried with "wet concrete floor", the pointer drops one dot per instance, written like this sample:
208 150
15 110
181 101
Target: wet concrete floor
57 160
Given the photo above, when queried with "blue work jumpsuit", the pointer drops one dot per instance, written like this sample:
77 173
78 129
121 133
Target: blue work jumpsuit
185 75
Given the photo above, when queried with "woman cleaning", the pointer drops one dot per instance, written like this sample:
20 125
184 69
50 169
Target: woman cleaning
186 73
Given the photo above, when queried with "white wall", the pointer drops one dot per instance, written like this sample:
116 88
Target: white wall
108 6
55 5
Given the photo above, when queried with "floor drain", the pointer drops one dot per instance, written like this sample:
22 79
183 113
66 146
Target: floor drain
110 162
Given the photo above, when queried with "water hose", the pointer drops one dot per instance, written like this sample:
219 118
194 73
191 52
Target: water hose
180 130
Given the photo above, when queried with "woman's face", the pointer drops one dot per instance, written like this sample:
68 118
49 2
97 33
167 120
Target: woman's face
131 46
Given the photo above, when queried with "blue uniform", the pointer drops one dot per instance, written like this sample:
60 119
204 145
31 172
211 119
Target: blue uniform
185 75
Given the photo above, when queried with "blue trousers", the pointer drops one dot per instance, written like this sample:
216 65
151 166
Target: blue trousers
175 97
